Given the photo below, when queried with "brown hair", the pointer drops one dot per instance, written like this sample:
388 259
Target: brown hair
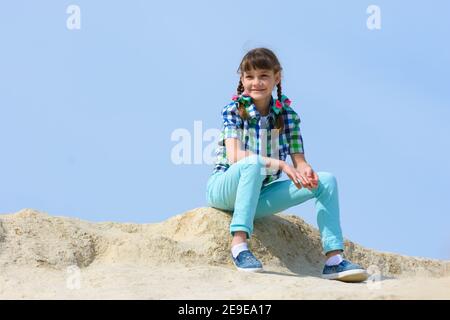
260 58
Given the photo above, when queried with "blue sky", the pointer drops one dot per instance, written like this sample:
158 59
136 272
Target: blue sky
86 116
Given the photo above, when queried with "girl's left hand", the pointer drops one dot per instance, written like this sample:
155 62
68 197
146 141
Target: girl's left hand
310 179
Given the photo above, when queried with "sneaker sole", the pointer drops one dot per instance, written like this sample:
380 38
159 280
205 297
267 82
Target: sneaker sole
249 269
357 275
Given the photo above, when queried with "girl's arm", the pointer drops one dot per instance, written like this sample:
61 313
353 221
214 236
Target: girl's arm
298 159
235 153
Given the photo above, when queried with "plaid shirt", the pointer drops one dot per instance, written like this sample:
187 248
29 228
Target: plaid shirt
256 137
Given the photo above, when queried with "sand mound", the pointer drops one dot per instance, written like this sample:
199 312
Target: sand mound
198 237
187 257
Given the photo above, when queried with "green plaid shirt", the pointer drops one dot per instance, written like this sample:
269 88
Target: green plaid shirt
258 134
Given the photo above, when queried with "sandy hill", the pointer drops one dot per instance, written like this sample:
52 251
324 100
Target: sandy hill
187 257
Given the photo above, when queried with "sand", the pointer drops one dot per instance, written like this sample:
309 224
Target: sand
187 257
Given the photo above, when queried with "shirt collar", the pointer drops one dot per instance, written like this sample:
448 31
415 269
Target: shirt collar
254 113
275 108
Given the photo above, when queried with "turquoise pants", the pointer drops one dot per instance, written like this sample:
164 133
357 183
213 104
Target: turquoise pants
240 190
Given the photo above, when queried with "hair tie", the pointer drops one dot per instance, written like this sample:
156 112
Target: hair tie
243 98
278 106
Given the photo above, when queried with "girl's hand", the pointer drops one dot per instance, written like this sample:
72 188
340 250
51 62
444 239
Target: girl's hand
293 174
310 179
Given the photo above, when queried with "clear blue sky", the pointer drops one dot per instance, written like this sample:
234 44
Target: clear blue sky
86 115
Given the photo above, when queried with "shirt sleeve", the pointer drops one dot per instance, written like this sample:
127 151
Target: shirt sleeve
232 122
295 139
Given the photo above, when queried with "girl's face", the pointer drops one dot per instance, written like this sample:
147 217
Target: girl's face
259 83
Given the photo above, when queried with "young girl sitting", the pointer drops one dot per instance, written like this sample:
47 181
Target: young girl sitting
257 135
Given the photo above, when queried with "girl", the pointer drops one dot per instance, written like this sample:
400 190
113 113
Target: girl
257 135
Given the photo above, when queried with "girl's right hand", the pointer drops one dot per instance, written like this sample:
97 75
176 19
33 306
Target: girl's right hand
293 174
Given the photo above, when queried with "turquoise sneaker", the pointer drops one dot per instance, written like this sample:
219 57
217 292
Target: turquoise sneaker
345 271
246 261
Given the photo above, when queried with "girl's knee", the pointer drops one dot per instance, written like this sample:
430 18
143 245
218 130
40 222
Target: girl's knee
253 160
255 164
327 178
